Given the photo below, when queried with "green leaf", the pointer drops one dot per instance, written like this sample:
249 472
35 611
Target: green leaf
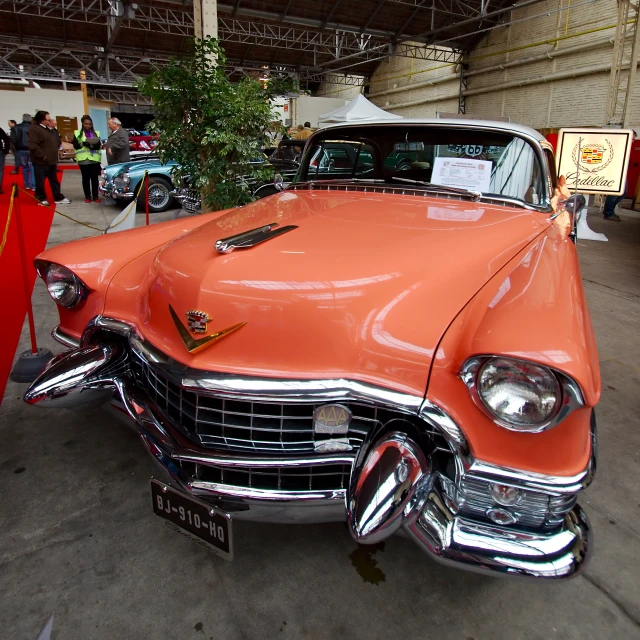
210 126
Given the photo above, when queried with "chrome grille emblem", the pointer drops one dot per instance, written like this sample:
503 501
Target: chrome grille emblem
332 419
197 321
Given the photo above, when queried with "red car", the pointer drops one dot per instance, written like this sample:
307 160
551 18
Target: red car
404 350
140 142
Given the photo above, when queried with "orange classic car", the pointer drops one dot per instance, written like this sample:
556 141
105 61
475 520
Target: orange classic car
407 350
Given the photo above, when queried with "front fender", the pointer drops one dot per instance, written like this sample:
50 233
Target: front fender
98 259
534 308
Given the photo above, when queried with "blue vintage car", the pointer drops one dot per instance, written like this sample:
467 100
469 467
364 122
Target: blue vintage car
121 182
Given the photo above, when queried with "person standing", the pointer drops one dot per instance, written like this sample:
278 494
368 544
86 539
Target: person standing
117 145
43 147
12 149
304 132
20 137
4 150
86 142
610 203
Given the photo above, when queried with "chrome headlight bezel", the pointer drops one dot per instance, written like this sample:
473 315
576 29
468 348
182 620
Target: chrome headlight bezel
78 289
126 178
570 394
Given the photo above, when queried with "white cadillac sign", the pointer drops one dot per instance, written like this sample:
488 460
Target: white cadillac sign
595 159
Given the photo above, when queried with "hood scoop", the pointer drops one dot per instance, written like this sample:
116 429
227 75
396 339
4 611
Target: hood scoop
252 238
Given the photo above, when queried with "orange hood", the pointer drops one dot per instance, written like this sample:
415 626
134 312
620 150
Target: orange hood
364 288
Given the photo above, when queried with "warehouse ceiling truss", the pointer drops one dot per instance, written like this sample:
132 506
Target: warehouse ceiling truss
115 41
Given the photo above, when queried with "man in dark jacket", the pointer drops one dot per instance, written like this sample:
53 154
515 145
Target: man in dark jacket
43 147
20 139
12 147
117 145
4 150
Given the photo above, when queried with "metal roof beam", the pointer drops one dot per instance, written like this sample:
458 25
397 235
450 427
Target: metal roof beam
302 21
43 60
478 17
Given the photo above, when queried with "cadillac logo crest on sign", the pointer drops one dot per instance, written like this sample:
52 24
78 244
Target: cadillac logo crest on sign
332 419
197 321
592 153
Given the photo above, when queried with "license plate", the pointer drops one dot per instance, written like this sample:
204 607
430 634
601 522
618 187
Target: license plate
205 525
190 207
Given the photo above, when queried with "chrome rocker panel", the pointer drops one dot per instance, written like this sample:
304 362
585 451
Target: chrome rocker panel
408 495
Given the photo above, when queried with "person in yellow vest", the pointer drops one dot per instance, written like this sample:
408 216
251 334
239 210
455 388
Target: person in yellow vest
86 142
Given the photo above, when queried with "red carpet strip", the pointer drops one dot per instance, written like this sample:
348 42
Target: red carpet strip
36 222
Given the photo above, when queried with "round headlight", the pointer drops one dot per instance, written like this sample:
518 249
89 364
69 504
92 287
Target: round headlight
64 286
521 394
126 178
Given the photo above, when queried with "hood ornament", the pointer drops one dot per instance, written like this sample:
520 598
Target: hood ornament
252 238
192 344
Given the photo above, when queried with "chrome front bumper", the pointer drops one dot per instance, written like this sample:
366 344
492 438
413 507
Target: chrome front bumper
416 504
120 194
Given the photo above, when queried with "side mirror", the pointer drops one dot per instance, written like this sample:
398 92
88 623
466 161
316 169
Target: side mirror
575 204
278 182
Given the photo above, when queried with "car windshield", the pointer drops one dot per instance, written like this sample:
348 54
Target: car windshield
493 163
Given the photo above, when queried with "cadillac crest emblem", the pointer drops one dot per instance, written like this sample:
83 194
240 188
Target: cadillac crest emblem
592 154
593 157
197 321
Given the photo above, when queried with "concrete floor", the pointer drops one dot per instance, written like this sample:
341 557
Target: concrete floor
78 537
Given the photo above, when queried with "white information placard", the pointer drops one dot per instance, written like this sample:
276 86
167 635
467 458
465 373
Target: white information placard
594 160
463 173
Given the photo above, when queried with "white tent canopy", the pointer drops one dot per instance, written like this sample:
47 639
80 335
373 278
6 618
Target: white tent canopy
358 110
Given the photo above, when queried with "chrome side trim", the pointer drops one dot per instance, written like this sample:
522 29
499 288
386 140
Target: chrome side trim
570 390
64 338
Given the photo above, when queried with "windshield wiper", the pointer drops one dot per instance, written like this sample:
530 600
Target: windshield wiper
474 195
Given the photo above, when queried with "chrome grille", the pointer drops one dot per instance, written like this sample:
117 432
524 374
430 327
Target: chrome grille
118 182
304 478
536 509
190 195
243 425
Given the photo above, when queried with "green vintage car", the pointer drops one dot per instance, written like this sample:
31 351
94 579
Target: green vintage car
121 182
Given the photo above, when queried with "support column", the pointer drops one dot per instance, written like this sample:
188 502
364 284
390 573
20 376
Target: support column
462 100
205 18
83 87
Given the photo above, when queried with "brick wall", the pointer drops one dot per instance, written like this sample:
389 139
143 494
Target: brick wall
537 30
333 90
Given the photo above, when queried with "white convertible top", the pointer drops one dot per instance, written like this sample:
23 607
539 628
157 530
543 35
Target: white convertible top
506 127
